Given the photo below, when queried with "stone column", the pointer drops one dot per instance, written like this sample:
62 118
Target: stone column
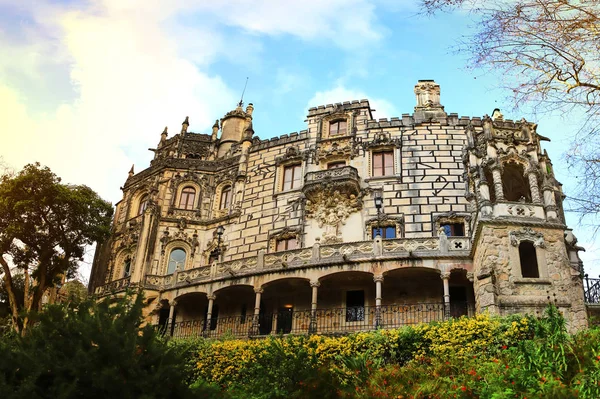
171 321
550 202
211 301
138 273
255 325
445 276
533 185
378 280
313 307
497 176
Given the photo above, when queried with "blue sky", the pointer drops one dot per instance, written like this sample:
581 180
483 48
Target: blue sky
87 87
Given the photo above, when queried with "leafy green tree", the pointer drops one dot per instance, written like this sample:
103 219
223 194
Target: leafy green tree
92 350
45 226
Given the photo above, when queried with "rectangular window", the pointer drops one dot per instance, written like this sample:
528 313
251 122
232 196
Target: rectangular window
386 232
337 128
292 177
453 229
355 306
286 244
335 165
383 163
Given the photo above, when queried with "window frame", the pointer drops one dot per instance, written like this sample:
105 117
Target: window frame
226 197
176 264
385 229
296 181
286 242
142 204
336 123
187 191
127 267
533 256
384 167
452 227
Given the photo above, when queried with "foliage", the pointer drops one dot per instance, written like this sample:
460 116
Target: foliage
482 356
94 350
549 55
44 228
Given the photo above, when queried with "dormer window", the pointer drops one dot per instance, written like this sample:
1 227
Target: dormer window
337 128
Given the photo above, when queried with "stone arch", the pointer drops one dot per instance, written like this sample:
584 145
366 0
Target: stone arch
119 262
216 206
135 201
514 183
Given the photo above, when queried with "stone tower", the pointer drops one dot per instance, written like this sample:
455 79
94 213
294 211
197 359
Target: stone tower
523 257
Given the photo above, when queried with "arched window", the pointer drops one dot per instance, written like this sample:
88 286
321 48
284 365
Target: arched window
127 267
176 260
528 258
143 205
515 186
225 197
187 198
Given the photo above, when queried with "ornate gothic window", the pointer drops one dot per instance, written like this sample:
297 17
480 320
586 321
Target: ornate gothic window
176 260
143 205
225 198
383 163
292 176
127 267
337 128
187 198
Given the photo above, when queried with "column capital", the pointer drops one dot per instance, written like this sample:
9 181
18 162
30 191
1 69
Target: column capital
173 302
470 276
378 279
445 275
315 283
211 297
259 290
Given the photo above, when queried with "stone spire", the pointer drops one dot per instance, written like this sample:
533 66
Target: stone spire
163 137
131 172
248 133
185 124
215 130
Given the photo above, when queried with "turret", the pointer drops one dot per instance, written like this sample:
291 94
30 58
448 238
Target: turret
428 108
233 126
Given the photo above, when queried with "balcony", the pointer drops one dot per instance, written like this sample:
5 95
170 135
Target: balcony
345 180
591 290
114 286
320 321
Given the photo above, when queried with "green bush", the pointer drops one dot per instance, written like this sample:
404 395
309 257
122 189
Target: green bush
92 350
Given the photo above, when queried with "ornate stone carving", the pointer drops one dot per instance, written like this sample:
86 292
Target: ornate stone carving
527 234
331 209
520 210
428 94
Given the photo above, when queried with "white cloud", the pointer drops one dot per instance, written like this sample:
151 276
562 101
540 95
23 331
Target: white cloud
384 109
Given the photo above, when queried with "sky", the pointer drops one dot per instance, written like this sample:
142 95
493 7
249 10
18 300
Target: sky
87 87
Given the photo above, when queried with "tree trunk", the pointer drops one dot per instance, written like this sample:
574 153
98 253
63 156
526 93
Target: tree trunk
12 299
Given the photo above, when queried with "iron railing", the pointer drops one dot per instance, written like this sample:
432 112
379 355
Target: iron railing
591 289
319 321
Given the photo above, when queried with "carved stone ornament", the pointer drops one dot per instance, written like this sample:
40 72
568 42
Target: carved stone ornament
520 210
339 148
331 209
527 234
428 94
131 234
382 139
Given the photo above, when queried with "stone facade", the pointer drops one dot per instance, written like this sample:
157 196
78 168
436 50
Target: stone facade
351 214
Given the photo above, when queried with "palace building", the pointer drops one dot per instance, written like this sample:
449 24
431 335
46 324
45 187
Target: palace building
351 224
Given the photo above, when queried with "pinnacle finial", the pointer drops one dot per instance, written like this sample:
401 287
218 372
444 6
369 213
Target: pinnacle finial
185 124
131 172
216 125
165 132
